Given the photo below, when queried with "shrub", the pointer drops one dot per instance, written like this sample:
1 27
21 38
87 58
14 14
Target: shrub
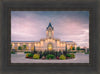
12 52
58 54
36 56
62 57
57 57
27 52
43 57
82 51
70 55
74 51
45 53
40 54
29 55
50 56
87 52
64 52
52 52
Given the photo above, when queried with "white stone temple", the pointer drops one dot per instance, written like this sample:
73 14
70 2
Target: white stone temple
48 43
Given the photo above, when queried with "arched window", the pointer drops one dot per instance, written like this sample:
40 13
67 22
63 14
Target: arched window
50 47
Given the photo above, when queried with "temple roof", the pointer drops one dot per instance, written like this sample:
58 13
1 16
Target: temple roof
23 41
68 41
49 25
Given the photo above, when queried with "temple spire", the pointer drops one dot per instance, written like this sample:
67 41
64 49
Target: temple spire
49 24
50 30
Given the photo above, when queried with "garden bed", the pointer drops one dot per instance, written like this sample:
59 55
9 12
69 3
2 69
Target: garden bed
50 56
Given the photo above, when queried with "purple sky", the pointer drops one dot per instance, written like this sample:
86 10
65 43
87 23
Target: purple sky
68 25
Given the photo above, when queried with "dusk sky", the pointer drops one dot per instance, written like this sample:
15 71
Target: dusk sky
68 25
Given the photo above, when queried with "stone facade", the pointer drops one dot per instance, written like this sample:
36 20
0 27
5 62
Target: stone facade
48 43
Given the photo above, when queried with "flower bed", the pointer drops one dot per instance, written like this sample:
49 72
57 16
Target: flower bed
47 55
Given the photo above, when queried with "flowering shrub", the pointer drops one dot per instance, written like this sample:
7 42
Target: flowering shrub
57 57
29 55
36 56
43 57
50 56
62 57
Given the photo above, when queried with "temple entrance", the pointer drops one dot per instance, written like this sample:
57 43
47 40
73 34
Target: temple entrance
50 47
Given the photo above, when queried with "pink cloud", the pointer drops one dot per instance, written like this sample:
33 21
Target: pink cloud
32 27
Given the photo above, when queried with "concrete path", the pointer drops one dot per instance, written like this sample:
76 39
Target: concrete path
20 58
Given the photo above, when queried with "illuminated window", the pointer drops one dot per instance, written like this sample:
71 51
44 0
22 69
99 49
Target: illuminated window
13 44
29 44
50 47
18 44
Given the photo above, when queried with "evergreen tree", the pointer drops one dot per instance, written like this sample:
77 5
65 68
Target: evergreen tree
66 48
73 48
19 48
78 48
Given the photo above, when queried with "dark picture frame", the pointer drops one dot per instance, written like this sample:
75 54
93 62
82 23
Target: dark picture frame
8 67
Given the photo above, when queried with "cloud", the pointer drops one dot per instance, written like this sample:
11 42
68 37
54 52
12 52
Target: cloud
68 25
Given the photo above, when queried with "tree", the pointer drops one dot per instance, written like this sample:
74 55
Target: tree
19 48
78 48
24 47
73 48
65 51
34 48
66 48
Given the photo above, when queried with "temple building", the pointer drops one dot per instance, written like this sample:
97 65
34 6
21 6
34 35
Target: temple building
48 43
